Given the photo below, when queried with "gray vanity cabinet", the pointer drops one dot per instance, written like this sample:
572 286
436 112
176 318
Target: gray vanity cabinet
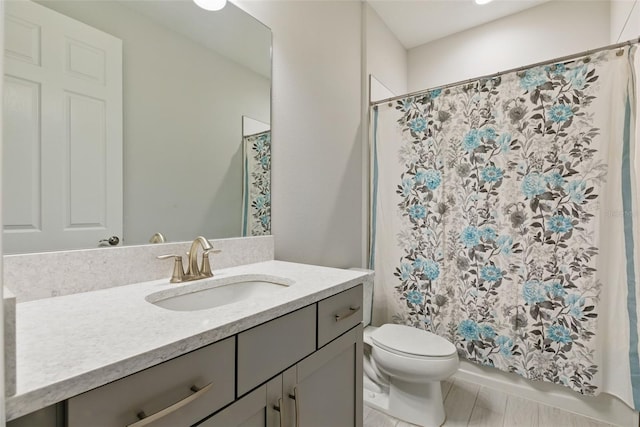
304 366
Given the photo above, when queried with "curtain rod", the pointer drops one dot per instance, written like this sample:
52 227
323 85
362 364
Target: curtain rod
489 76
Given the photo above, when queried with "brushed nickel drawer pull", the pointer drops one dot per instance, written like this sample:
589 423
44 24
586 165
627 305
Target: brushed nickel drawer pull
295 397
280 411
147 420
352 310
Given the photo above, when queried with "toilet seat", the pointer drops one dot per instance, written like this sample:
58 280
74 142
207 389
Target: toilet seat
412 342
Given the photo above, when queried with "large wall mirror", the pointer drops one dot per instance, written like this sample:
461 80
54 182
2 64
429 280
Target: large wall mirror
127 118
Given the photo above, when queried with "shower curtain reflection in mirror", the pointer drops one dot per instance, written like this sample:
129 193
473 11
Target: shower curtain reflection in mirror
256 177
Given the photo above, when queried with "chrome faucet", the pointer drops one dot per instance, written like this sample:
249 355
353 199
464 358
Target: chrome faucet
193 271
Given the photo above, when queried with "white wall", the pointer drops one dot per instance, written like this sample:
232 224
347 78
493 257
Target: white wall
386 58
183 109
620 11
2 370
317 155
553 29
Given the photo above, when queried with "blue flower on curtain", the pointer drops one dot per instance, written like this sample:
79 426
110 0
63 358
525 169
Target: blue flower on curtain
555 289
417 212
260 202
430 268
533 78
560 224
533 185
414 297
572 299
491 174
470 236
559 334
504 344
533 292
488 133
406 270
406 104
488 233
560 113
577 191
418 124
578 77
504 244
576 311
490 273
486 331
471 140
407 186
504 141
468 329
556 68
554 180
431 178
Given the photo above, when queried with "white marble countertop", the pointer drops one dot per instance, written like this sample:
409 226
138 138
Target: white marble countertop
71 344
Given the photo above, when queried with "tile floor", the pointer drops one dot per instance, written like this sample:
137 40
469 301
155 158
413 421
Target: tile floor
468 404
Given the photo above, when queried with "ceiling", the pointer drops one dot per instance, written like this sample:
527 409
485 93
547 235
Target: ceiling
416 22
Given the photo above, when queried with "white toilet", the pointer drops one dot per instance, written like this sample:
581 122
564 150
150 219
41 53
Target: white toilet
403 367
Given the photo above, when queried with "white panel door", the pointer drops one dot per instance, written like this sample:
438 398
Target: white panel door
62 160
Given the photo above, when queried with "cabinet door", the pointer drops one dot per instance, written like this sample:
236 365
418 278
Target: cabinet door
260 408
327 390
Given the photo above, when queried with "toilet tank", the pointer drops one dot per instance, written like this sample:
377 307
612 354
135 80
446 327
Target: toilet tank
367 295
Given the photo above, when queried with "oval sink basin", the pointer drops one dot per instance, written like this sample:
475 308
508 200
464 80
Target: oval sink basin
215 293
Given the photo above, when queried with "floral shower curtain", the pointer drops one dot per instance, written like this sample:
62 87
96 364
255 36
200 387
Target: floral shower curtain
256 188
504 220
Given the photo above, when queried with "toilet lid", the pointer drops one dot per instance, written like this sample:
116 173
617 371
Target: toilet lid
414 341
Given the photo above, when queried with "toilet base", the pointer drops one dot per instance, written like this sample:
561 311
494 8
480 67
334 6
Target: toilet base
419 404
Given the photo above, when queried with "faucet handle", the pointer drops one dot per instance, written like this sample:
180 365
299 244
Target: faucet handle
178 270
189 272
205 269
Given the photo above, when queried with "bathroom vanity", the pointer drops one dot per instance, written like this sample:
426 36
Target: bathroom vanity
290 358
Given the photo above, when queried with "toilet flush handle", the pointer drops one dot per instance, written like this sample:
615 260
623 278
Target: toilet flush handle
352 310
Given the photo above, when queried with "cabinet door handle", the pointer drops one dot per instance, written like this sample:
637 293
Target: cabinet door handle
280 409
147 420
352 310
296 398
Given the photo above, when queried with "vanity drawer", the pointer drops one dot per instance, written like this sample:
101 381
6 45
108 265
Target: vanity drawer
339 313
163 392
270 348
